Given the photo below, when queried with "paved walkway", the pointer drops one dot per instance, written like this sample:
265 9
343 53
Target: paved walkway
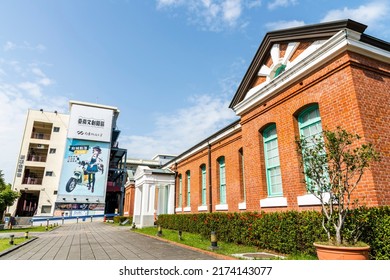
100 241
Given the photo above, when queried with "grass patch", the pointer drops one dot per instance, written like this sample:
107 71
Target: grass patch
29 229
197 241
4 243
301 257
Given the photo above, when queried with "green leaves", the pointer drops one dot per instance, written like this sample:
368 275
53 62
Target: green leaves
334 163
7 195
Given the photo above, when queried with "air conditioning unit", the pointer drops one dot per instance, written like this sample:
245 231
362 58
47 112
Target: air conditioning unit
40 146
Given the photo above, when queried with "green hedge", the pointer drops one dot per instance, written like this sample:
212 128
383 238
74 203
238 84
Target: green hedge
285 232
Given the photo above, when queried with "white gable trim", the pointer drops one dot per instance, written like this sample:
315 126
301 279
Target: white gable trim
343 40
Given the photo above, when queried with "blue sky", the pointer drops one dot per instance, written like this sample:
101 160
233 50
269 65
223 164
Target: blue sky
170 66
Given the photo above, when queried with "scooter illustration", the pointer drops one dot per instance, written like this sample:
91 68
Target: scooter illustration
81 176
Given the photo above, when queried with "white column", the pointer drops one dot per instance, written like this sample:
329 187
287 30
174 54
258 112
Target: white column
145 203
171 199
137 205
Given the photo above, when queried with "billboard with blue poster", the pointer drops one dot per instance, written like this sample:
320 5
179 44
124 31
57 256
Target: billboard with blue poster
84 171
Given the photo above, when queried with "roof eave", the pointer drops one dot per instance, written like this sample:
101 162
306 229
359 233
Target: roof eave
322 30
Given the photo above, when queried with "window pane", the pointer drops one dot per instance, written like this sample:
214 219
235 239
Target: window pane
203 185
222 181
310 128
272 162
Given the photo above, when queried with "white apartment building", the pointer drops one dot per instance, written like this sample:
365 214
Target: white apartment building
70 164
39 163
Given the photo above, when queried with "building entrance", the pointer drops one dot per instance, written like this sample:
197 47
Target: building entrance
27 204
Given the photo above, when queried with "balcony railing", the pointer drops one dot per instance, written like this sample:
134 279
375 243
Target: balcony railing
39 135
39 158
32 181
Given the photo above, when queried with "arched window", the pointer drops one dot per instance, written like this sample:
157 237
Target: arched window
188 173
310 127
222 180
180 204
310 122
242 175
272 162
203 183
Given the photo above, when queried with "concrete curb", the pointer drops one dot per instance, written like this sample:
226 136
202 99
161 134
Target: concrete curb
13 248
213 254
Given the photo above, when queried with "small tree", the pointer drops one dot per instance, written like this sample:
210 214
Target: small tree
333 165
7 195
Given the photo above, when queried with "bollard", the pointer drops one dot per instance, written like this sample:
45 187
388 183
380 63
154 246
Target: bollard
63 219
214 242
77 219
11 240
26 235
159 233
91 219
180 235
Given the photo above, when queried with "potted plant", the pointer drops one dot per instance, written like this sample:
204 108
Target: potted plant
333 165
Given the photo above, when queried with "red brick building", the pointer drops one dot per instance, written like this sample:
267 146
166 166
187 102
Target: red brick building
301 81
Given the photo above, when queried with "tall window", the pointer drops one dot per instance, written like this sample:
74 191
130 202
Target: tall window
272 162
222 180
180 192
203 183
309 122
188 188
242 175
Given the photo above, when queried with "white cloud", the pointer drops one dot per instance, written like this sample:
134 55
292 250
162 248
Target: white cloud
253 4
284 24
10 46
231 10
281 3
167 3
213 15
19 79
374 14
182 129
32 89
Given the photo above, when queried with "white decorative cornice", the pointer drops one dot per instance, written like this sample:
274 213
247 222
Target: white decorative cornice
343 40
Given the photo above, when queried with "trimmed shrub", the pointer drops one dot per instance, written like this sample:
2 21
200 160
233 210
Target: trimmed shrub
286 232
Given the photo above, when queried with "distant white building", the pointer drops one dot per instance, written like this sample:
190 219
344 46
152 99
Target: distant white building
154 195
70 164
39 163
162 159
149 189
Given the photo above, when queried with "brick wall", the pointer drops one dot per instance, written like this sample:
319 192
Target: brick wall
351 91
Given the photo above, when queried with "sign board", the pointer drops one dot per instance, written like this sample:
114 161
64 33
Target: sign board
90 123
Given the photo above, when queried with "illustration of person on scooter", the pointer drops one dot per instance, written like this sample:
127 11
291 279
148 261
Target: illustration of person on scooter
85 172
93 166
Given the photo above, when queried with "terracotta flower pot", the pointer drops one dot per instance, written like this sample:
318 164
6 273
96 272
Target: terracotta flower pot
329 252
